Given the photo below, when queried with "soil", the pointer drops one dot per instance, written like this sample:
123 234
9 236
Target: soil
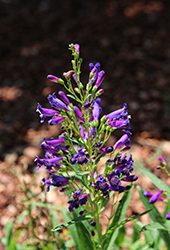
130 39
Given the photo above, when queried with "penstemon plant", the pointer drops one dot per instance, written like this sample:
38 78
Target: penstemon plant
72 159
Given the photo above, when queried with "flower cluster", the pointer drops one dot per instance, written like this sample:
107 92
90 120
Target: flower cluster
72 159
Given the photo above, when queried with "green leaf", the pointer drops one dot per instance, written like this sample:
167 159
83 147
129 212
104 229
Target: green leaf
157 182
9 227
84 238
73 97
155 216
72 228
22 216
136 233
125 221
155 225
73 221
45 205
74 140
121 235
119 216
13 242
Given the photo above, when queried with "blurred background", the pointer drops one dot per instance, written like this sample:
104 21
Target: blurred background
131 40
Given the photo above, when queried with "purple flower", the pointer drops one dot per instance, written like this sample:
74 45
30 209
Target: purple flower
79 158
96 109
94 70
93 223
119 118
44 112
130 178
100 78
54 160
57 103
155 197
168 216
49 148
56 120
57 181
75 202
55 142
92 233
77 47
114 182
123 165
162 162
55 79
78 113
120 123
102 185
124 140
40 162
64 97
118 113
106 150
83 199
87 105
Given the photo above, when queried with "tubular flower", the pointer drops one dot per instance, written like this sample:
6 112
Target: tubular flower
44 112
94 70
56 180
56 120
75 202
64 97
106 150
55 79
100 78
153 197
79 158
57 103
119 118
124 140
96 109
114 182
102 185
78 114
123 165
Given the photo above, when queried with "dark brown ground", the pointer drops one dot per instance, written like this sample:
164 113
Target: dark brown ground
131 40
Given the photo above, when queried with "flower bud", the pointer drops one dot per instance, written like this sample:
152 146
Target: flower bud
68 74
99 92
55 79
94 89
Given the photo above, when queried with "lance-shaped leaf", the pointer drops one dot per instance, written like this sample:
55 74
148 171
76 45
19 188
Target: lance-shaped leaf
74 140
155 225
73 221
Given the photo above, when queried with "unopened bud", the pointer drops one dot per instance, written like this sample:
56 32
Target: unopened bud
55 79
80 85
99 92
77 90
68 74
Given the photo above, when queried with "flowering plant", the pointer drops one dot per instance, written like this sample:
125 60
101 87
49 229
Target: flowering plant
73 158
